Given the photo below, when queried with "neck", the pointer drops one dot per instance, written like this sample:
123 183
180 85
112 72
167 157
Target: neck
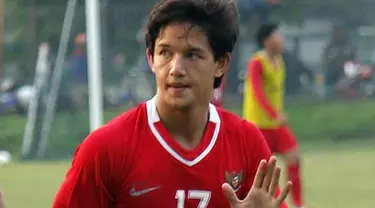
186 126
270 53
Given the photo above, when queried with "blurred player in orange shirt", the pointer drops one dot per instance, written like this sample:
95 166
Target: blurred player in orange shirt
264 102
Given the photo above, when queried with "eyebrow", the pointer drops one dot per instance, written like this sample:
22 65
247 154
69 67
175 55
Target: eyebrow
190 49
195 49
163 45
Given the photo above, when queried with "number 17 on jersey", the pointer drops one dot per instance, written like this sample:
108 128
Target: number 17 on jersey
201 195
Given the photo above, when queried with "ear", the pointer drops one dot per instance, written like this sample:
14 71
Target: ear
150 59
222 65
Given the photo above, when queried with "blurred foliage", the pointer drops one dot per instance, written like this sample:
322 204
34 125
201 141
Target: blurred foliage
338 121
31 22
331 120
311 123
27 24
123 18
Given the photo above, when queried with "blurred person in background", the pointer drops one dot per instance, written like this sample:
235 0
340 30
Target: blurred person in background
338 51
295 69
218 94
118 68
264 102
250 11
78 69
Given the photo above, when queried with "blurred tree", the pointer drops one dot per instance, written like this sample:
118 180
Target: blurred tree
29 23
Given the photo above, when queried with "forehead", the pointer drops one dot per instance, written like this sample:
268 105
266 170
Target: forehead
276 33
183 36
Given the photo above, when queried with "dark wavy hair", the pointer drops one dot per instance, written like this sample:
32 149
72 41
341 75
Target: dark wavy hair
264 31
217 18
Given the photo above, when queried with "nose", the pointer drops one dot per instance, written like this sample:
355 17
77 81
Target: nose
178 67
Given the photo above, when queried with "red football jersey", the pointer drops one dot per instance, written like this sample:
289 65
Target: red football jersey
134 162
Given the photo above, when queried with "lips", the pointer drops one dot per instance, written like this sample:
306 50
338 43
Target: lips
178 85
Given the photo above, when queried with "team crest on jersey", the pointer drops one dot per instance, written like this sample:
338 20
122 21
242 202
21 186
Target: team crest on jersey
234 179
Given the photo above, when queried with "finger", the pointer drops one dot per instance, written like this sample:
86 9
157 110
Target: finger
230 194
284 193
261 172
269 173
275 181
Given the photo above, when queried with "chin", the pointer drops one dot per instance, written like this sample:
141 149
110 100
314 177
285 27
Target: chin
180 103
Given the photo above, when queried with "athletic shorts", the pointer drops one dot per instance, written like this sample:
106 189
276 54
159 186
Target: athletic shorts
280 140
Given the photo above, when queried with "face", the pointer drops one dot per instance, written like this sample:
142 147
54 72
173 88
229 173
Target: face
184 66
276 41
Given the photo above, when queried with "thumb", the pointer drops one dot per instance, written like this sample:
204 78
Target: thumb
230 194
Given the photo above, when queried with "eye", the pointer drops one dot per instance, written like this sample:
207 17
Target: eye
193 55
165 53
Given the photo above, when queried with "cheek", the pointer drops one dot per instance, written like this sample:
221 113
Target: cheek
160 67
160 76
156 64
280 40
207 75
202 72
159 73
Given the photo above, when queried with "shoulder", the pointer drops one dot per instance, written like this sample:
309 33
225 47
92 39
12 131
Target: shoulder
255 66
237 127
255 61
245 136
112 138
258 56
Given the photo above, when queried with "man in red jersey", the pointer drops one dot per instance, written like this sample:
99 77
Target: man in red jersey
177 150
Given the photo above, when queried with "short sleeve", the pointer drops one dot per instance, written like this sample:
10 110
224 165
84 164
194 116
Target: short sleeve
256 150
90 181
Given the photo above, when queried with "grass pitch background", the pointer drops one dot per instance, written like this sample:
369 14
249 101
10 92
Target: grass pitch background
337 139
335 175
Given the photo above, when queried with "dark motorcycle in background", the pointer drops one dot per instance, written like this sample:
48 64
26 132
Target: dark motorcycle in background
14 98
358 80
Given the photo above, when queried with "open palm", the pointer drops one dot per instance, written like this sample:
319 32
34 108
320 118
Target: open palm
262 193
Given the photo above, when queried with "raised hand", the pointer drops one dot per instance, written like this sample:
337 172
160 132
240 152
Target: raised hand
262 193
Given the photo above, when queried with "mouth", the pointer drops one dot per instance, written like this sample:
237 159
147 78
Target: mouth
177 87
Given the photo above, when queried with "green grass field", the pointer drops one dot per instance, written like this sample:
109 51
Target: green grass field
336 175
